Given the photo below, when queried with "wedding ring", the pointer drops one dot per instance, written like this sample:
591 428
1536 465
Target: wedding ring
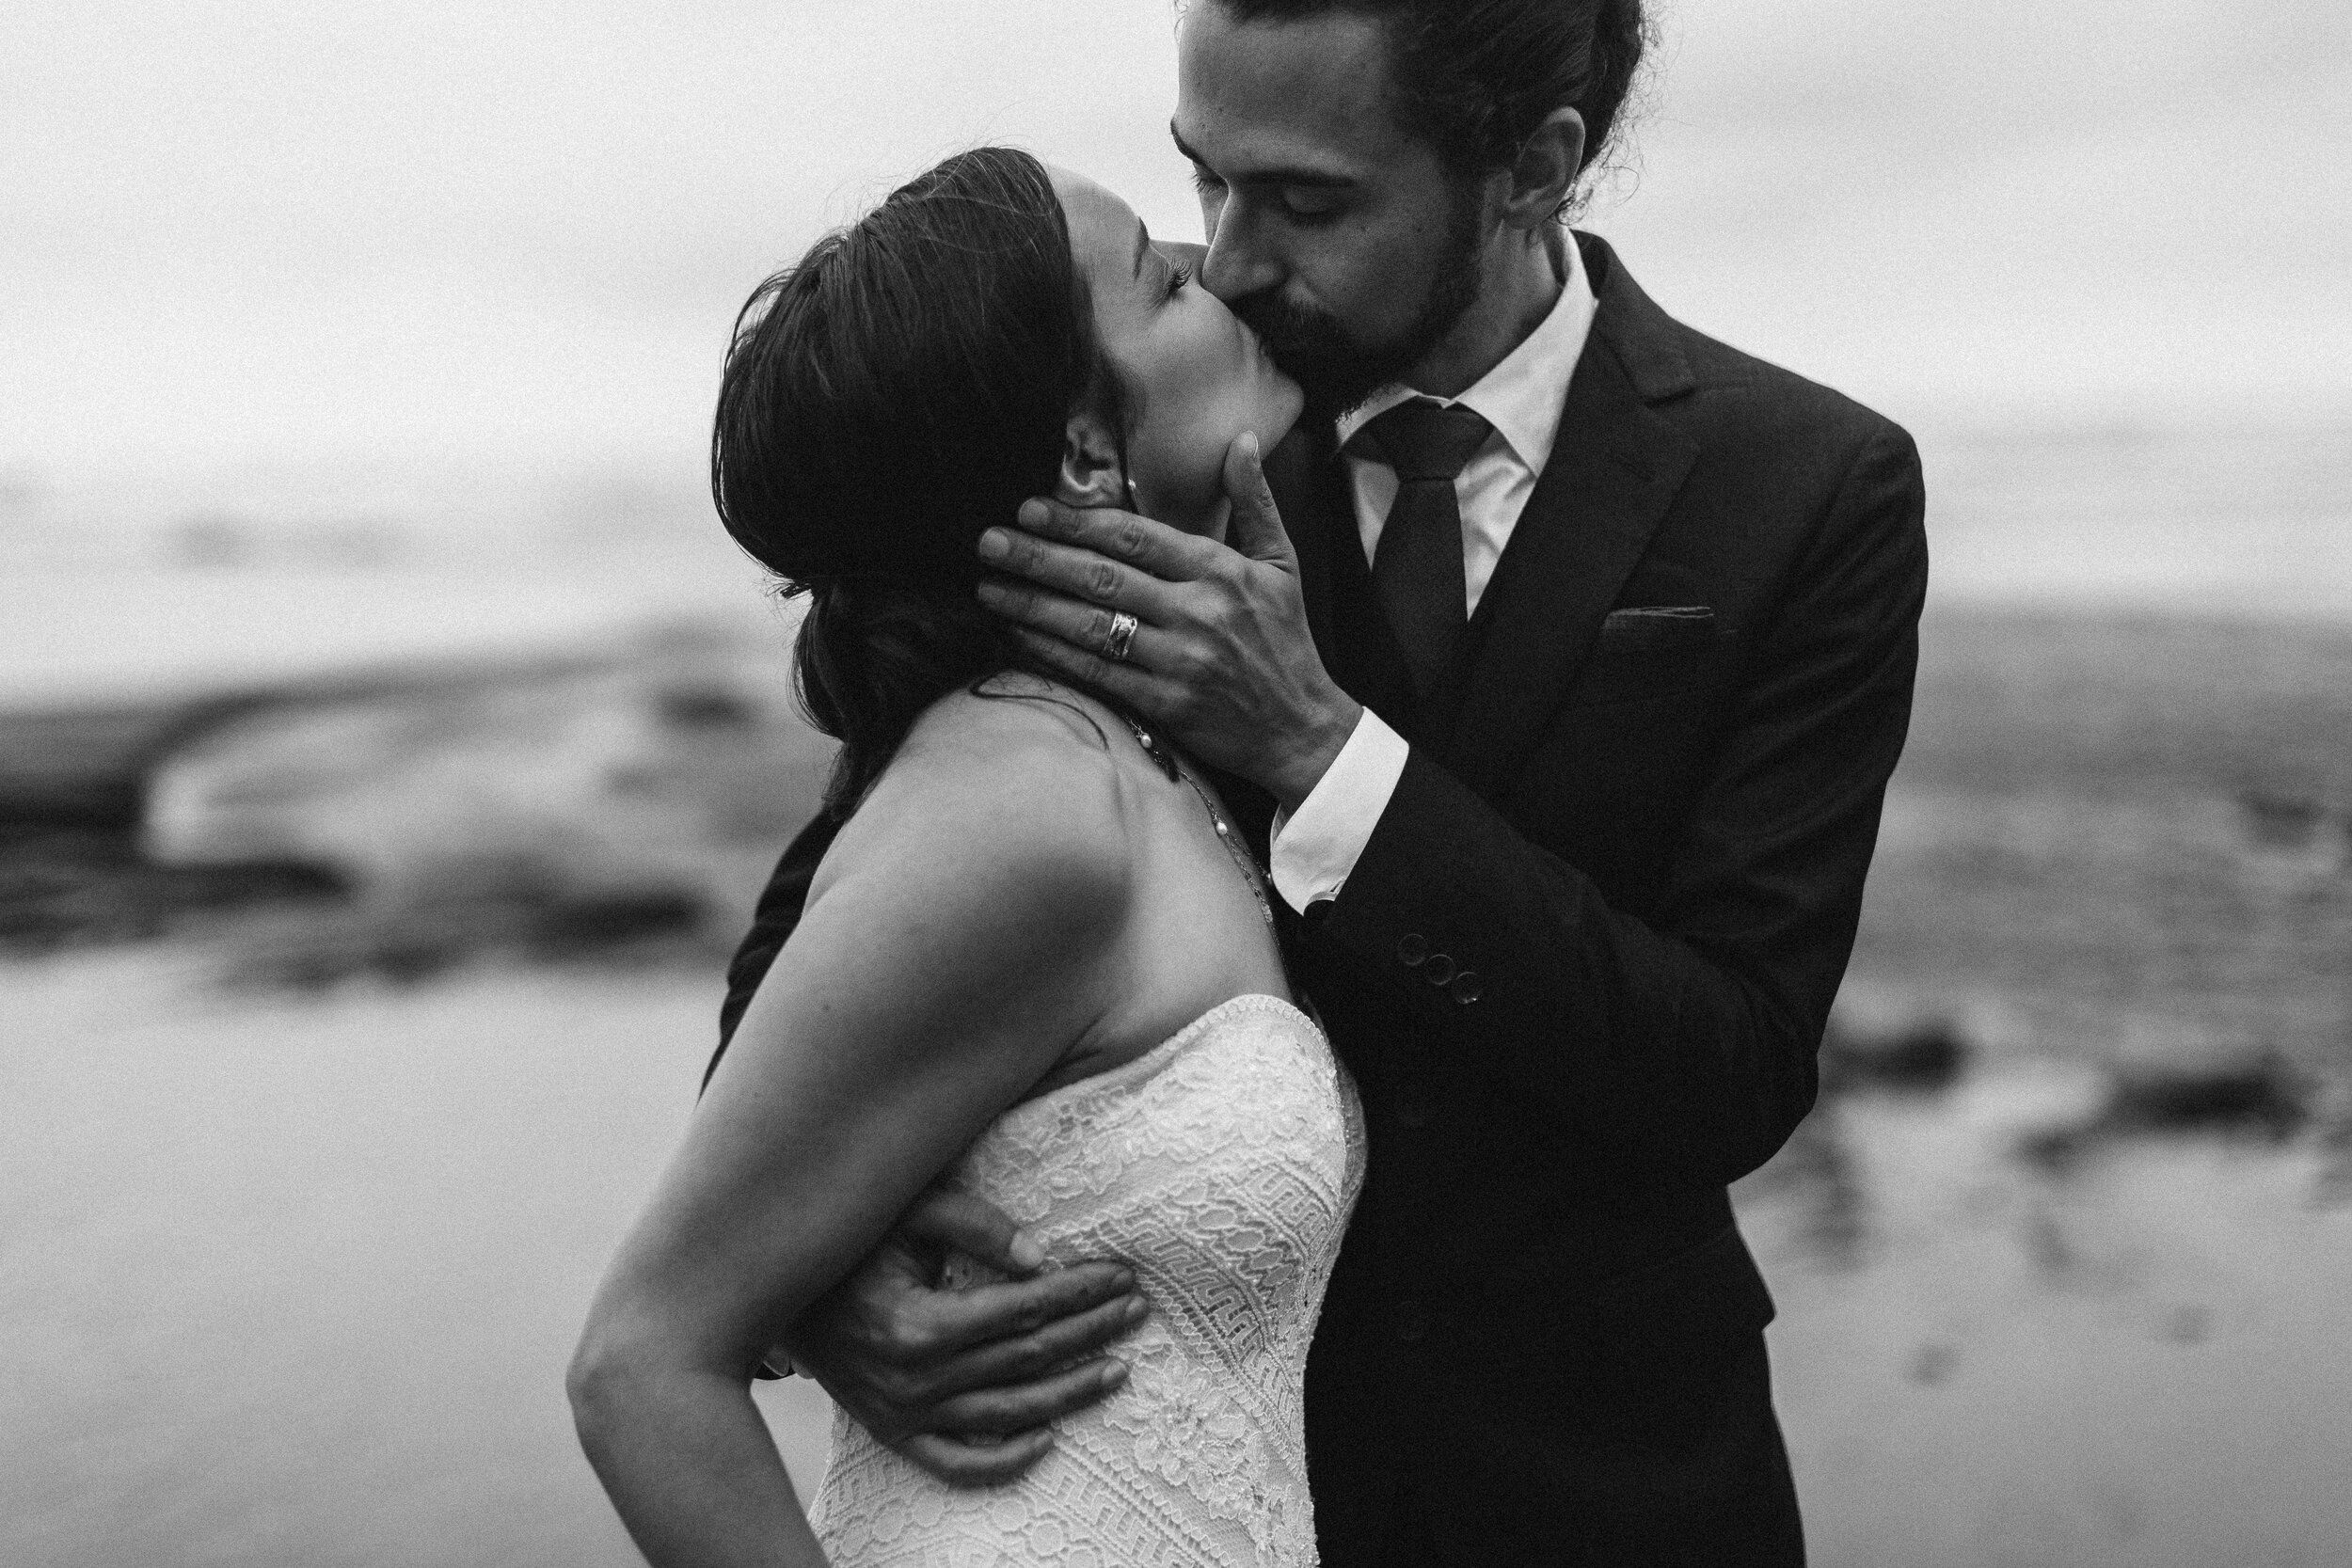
1122 632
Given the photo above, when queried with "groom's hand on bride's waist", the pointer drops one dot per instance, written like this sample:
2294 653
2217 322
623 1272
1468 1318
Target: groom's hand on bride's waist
1217 652
962 1382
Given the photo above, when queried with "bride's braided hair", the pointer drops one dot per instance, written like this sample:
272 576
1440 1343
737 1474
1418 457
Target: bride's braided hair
901 390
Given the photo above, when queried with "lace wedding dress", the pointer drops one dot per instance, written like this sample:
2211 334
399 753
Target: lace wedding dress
1221 1166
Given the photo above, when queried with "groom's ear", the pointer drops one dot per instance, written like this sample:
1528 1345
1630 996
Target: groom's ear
1543 178
1091 474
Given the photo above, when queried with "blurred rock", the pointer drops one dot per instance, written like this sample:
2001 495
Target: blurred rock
2279 820
554 813
2259 1096
1927 1057
2224 1091
86 768
69 887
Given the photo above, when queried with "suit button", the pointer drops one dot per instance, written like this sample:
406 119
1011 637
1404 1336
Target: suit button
1439 970
1411 949
1412 1104
1412 1321
1466 988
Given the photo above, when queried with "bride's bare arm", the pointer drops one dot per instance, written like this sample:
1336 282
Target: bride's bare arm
953 949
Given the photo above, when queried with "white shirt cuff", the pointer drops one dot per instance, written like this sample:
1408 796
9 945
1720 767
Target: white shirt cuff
1318 844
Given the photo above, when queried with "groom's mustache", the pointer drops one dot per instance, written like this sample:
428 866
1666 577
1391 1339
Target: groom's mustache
1312 348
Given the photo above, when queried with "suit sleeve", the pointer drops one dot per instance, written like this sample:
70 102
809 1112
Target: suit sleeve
1682 1044
772 923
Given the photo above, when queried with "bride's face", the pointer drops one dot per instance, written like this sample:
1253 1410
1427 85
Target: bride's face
1194 376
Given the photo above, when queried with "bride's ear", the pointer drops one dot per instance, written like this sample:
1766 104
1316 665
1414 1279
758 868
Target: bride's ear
1091 474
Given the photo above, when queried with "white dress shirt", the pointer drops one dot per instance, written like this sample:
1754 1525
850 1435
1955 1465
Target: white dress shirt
1316 847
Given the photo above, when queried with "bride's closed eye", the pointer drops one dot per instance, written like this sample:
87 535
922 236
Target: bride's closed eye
1177 278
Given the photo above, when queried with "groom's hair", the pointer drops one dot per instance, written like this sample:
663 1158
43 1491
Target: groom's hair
1476 77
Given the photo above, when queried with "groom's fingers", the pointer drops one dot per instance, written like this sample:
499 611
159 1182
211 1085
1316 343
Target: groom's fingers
1084 627
1077 570
959 1222
1056 1347
977 1463
1256 529
955 1322
1169 554
1126 682
998 1412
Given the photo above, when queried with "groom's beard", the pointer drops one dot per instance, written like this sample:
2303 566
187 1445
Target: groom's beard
1335 371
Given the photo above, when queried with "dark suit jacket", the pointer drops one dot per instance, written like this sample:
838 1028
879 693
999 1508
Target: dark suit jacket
1583 966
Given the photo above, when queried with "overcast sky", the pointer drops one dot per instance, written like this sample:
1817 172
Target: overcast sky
343 236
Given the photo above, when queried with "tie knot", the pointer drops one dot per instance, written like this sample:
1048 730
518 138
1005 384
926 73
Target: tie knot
1425 440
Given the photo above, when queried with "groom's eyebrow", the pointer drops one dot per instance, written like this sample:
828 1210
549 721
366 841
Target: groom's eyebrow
1281 175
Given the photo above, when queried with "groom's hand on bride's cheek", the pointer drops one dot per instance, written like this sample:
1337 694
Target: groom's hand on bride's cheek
1219 656
964 1381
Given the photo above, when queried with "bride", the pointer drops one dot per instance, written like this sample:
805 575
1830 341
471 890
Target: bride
1037 963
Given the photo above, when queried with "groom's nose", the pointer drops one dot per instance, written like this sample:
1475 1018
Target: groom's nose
1238 263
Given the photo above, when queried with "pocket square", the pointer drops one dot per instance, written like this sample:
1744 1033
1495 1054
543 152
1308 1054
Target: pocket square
1660 627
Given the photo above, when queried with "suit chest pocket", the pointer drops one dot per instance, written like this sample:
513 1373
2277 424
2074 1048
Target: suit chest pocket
1650 653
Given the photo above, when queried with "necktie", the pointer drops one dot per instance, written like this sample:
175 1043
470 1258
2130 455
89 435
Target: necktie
1416 569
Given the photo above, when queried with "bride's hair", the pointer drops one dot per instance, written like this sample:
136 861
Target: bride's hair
905 386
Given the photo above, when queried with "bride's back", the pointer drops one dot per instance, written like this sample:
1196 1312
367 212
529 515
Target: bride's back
1194 929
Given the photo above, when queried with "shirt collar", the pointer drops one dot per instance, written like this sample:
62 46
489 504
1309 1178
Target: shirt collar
1522 395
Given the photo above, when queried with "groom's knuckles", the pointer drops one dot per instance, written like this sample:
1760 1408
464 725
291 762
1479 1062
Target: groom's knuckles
1075 571
916 1330
897 1396
1127 538
1098 579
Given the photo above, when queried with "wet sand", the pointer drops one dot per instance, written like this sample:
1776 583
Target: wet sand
294 1281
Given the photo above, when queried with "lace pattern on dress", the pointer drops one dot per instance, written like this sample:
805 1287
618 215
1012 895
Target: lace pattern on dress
1221 1166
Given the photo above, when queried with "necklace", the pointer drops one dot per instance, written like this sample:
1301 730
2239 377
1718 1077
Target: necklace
1160 754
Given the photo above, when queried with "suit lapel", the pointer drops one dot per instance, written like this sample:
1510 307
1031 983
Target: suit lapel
1615 468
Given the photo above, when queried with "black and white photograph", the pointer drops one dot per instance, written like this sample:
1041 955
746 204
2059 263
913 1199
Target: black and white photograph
1176 783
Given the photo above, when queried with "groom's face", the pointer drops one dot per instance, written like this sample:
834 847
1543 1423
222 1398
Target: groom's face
1342 238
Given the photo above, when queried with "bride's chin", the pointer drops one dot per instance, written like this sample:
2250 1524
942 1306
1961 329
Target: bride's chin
1290 405
1202 509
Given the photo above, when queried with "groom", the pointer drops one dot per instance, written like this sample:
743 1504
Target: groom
1569 719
